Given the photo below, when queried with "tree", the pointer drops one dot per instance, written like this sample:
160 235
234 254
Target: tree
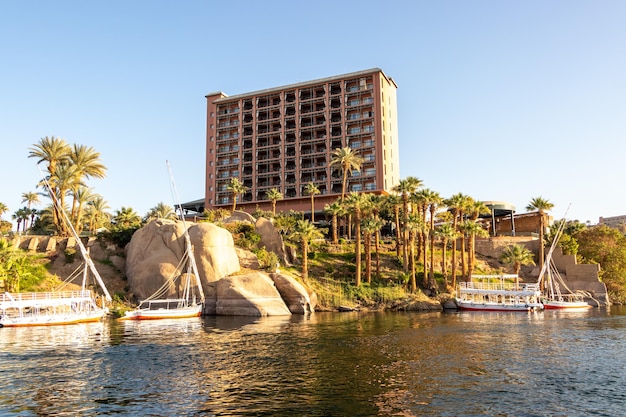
312 190
87 164
126 218
445 232
516 256
607 247
31 198
96 213
393 203
21 217
414 226
405 188
471 229
434 200
236 188
371 226
346 161
355 204
457 204
54 152
541 205
335 210
305 232
273 195
161 211
3 209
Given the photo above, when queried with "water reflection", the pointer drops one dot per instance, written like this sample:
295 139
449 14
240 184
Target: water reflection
327 364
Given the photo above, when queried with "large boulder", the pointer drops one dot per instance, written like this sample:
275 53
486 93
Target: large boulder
155 250
271 239
294 294
252 294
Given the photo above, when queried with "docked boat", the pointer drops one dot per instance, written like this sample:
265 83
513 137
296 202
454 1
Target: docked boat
49 308
498 293
57 307
556 295
159 305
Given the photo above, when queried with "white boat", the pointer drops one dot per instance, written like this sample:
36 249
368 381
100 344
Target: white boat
498 293
556 295
49 308
158 306
56 307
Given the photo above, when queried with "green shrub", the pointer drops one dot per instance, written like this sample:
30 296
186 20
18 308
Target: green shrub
267 259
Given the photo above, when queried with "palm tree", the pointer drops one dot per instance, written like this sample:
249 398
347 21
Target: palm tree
51 150
347 161
55 152
471 229
87 164
312 190
393 203
370 226
21 217
96 213
30 198
405 188
516 256
541 205
161 211
434 201
126 218
414 226
335 210
356 203
236 188
458 204
3 209
273 195
305 232
445 232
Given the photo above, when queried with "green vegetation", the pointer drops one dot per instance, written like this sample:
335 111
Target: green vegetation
19 270
353 261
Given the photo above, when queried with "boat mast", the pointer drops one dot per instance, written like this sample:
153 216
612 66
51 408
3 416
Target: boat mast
82 248
188 245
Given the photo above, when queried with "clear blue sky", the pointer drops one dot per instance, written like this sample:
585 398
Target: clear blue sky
500 100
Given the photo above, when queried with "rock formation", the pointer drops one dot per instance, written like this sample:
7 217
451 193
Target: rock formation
155 250
252 294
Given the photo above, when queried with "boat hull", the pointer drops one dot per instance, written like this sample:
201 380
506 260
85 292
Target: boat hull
469 306
565 305
52 320
49 309
163 314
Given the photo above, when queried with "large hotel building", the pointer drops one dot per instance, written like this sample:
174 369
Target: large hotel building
284 137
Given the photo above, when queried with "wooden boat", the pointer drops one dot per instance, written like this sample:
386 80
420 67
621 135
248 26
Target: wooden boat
556 295
57 307
498 293
49 308
158 306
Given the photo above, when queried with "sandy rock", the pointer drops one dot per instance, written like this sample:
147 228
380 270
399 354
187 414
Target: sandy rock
155 250
239 216
294 294
252 294
271 239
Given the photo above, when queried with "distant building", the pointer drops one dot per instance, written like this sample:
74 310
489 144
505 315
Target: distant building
284 137
614 222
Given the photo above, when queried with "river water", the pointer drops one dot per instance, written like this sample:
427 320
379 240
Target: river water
329 364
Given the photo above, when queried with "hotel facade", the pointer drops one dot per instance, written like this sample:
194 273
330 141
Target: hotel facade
284 138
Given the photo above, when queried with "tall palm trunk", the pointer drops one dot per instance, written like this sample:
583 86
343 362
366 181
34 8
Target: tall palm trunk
357 246
367 238
444 265
396 211
412 256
